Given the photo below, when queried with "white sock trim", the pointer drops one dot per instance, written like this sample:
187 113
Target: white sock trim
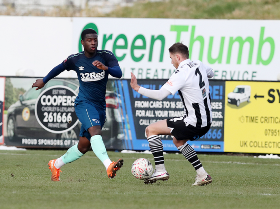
106 163
201 171
59 163
182 146
160 168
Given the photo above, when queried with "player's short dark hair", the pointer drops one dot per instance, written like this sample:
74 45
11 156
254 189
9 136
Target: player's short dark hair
179 48
87 31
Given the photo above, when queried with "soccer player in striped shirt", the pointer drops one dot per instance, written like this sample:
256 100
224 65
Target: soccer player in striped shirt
191 81
92 67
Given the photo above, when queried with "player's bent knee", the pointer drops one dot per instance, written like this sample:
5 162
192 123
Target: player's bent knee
149 131
83 149
152 130
94 130
176 142
146 132
84 145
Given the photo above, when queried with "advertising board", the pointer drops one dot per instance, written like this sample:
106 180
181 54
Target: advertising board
46 118
245 115
235 49
252 122
142 111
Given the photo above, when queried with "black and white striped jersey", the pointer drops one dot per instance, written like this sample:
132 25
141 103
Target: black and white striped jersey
191 81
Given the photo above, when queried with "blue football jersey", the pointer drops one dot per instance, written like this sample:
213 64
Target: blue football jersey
92 80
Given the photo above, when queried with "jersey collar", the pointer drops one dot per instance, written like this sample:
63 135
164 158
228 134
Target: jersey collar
186 61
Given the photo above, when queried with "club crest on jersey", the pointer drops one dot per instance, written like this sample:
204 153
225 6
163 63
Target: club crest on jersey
203 92
87 77
81 68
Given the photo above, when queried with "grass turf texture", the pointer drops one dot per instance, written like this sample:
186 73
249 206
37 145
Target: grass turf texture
238 182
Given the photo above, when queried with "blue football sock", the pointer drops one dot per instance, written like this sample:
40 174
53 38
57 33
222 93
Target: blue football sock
72 154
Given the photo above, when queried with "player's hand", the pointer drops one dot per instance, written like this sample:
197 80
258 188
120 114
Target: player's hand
100 65
39 83
133 83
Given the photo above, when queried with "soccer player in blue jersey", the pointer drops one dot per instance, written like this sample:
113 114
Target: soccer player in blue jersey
92 67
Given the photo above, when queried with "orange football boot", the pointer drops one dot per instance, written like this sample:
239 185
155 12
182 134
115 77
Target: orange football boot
55 172
113 168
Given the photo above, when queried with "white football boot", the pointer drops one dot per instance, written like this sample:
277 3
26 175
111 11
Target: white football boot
202 180
163 176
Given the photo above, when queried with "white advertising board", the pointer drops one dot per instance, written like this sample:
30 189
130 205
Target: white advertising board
235 49
32 46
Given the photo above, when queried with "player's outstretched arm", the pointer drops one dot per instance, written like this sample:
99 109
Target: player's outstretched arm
154 94
115 71
40 83
54 72
133 83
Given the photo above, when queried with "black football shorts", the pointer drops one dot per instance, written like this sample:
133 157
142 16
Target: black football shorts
183 131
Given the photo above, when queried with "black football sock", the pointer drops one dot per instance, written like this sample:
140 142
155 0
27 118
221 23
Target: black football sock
156 148
190 155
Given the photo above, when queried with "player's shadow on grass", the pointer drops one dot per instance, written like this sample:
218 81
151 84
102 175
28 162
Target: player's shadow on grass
233 106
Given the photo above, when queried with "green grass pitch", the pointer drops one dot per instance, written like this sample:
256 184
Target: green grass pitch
238 182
